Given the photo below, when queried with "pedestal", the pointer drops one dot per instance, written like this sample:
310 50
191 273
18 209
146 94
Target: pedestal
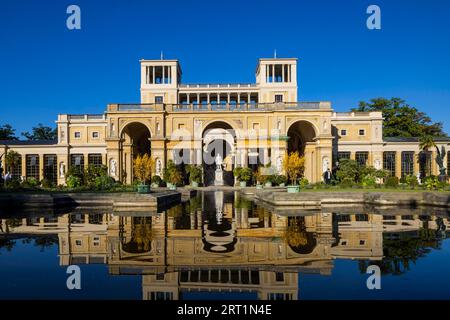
218 181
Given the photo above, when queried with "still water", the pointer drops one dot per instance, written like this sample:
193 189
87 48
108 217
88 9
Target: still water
221 246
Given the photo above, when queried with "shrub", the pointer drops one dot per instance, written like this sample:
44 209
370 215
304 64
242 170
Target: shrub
143 167
245 174
47 183
368 181
411 181
156 180
172 174
73 182
391 182
237 173
13 184
294 166
280 179
31 183
348 170
303 182
347 182
104 182
431 182
195 173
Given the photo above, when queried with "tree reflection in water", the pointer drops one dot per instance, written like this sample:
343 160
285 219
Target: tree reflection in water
297 237
402 249
141 236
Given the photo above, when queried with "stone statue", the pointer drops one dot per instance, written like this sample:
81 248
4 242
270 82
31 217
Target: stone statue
378 164
112 167
62 170
418 178
219 162
158 167
279 164
440 161
326 164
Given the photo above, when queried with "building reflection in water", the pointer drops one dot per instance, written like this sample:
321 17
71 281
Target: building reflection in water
219 242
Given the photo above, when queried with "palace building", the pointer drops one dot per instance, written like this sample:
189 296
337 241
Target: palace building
247 124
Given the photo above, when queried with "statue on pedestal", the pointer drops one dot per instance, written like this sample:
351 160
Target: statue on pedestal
218 181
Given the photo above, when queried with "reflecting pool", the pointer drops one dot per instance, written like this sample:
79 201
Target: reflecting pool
220 245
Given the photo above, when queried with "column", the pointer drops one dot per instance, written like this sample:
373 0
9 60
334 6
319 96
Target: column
416 163
163 74
238 98
187 98
398 164
282 73
153 68
218 98
41 166
208 98
228 98
198 98
273 73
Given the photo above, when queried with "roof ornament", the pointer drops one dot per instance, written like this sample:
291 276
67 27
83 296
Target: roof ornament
162 55
275 54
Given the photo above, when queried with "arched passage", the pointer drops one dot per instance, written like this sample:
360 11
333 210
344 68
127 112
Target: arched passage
300 133
302 136
218 139
135 140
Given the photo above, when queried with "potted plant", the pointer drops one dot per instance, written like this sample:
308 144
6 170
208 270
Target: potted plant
281 180
294 166
143 168
259 178
237 174
195 173
156 181
172 175
268 180
244 177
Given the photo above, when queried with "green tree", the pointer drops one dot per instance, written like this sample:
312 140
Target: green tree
402 120
13 160
427 142
41 132
7 132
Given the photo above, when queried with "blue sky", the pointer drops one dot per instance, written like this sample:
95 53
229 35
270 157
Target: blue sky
46 69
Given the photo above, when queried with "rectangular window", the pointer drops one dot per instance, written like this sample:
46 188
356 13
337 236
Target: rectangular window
278 98
407 163
362 157
425 164
279 276
343 155
95 135
389 162
343 132
50 167
362 132
77 135
78 243
448 163
16 170
77 161
159 99
32 166
95 159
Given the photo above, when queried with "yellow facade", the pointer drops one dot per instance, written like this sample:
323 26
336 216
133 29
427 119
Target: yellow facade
258 123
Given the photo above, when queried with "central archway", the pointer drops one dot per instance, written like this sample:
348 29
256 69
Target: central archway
302 135
218 139
135 141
